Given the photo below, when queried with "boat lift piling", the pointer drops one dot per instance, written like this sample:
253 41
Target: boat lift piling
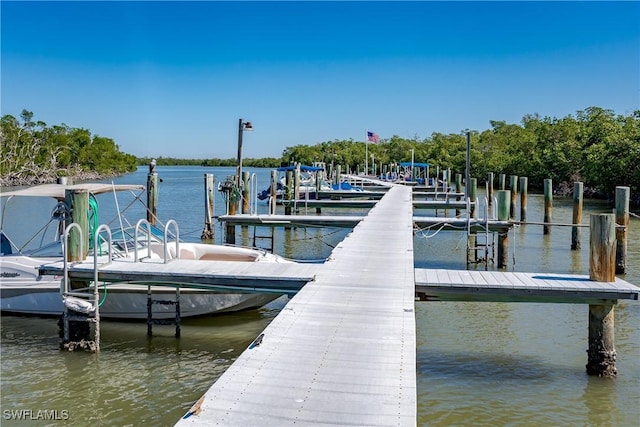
504 200
458 183
622 220
245 192
209 207
601 353
490 188
152 193
548 205
577 215
513 186
524 183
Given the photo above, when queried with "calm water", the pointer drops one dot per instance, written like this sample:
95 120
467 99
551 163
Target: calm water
477 363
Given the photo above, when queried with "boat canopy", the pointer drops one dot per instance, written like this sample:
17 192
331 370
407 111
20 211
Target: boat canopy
303 168
415 165
57 191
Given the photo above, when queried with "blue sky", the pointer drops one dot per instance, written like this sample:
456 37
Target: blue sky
173 78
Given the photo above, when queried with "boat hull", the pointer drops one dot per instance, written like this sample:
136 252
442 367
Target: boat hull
23 291
130 301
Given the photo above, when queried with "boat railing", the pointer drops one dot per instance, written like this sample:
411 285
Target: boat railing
135 238
165 239
65 255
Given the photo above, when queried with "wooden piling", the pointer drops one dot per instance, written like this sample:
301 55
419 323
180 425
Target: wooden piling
548 205
318 188
78 202
296 183
209 207
513 186
577 215
458 183
232 195
245 192
473 194
288 193
504 200
502 178
524 183
152 196
622 220
273 191
490 188
601 353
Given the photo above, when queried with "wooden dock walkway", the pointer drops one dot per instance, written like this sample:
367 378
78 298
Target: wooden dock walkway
349 221
276 277
343 349
358 203
466 285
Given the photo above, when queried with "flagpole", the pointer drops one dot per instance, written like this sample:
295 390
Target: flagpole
366 151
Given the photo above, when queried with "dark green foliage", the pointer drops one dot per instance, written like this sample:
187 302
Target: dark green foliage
33 152
596 147
266 162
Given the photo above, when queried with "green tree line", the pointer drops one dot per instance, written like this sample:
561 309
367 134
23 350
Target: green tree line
266 162
33 152
595 146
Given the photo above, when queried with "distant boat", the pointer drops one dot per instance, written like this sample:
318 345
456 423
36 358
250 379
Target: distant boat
308 183
24 291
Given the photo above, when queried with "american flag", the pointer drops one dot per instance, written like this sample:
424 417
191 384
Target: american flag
373 137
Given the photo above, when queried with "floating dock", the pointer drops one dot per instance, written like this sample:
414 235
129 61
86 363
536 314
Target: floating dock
343 349
350 221
496 286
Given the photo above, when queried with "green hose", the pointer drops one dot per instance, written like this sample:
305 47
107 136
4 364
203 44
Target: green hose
93 226
93 219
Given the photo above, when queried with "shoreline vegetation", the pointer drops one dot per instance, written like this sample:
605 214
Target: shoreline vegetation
594 146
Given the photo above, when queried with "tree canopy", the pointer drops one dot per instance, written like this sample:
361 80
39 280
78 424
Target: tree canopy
594 146
33 152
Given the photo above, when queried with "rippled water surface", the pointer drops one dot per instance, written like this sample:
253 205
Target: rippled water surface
492 364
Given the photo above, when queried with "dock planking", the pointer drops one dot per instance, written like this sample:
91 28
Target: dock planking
285 277
356 203
350 221
466 285
343 349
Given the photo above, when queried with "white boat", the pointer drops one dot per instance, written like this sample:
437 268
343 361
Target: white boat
24 291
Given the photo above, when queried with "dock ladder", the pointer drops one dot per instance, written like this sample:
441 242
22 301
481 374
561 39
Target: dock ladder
150 300
269 237
483 241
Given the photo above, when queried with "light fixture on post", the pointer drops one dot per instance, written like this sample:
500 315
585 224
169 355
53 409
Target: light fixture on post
242 126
